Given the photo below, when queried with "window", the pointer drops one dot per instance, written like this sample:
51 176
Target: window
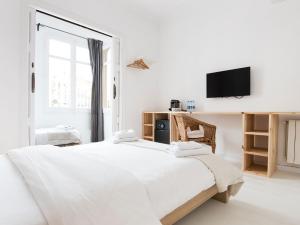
59 74
70 75
83 85
60 83
84 78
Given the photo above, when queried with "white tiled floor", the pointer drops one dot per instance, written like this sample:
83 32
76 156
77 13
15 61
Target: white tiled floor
261 201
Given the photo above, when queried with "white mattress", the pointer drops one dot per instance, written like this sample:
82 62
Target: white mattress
56 136
169 181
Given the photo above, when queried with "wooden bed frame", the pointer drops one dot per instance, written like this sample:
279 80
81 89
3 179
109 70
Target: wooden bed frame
194 203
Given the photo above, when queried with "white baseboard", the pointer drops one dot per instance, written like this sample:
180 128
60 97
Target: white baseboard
288 169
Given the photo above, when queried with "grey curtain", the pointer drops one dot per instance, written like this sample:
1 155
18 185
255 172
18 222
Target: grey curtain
97 121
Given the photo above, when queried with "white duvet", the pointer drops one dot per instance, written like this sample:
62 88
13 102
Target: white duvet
77 188
168 182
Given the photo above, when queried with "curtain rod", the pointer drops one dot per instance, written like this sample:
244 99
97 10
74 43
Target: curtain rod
68 21
53 28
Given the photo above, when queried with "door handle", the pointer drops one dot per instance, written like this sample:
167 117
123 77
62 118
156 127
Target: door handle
33 82
115 91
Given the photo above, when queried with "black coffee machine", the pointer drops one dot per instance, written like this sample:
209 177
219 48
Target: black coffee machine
175 105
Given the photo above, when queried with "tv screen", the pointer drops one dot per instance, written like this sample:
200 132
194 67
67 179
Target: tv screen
230 83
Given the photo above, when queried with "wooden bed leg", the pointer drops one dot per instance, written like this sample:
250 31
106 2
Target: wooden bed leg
222 197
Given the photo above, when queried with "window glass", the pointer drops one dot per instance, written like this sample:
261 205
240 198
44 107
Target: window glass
70 75
59 48
82 55
59 83
84 80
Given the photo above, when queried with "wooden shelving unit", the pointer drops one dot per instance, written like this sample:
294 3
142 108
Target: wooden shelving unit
148 126
149 119
260 143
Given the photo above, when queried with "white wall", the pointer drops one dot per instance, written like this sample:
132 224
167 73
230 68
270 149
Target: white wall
9 74
211 35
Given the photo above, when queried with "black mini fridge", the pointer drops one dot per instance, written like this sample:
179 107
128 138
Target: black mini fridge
162 131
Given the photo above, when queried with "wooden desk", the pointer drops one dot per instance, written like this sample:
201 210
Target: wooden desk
260 136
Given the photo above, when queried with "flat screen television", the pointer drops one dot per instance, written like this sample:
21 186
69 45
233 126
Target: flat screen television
229 83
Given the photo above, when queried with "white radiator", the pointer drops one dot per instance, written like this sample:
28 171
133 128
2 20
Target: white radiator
293 142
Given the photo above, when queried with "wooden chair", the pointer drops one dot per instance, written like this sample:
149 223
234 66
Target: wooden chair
183 122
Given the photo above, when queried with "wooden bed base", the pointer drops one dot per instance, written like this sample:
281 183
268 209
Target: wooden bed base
194 203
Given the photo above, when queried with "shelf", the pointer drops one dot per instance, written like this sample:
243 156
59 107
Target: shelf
257 170
258 133
257 141
148 118
148 125
257 151
149 137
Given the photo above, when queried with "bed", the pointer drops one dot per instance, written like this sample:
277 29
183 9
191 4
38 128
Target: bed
173 186
59 136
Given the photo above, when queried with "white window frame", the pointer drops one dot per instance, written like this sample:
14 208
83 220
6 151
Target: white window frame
30 62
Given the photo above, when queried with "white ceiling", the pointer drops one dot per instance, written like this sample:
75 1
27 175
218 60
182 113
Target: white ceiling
157 8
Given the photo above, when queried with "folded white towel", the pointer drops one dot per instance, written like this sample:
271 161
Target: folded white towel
120 140
195 133
193 152
188 145
125 134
